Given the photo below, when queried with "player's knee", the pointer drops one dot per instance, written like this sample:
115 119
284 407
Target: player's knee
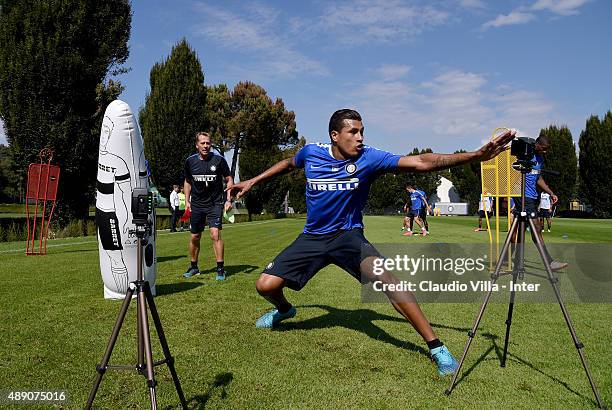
215 235
267 285
195 237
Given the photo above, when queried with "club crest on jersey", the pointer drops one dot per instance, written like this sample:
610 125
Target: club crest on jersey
351 168
213 168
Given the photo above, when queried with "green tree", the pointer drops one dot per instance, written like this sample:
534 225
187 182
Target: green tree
296 181
427 182
218 115
9 181
265 132
386 194
561 157
53 54
466 180
595 166
173 112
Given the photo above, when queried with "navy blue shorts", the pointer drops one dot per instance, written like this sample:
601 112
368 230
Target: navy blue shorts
544 213
200 217
308 254
531 207
423 213
481 214
413 213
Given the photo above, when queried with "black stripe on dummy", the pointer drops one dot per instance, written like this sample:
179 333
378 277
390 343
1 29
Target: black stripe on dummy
122 177
105 188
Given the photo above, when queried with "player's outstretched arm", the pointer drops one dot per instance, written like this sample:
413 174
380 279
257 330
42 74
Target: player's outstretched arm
433 162
282 167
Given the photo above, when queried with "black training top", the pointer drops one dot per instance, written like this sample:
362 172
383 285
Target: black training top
206 177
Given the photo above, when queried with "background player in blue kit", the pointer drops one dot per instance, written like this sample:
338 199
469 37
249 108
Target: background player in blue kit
338 179
533 181
416 209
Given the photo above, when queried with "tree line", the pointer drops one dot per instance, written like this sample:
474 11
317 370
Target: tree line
57 59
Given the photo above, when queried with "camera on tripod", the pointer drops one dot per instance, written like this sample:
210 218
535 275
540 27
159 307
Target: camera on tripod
523 148
142 206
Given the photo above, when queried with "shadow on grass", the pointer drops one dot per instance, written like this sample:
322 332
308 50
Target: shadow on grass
514 358
361 320
170 288
218 386
234 269
171 258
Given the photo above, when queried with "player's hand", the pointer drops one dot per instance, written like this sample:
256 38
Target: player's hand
187 206
228 206
239 190
494 147
554 198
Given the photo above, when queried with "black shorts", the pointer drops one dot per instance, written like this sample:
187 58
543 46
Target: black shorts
544 213
423 213
308 254
109 230
531 207
481 214
201 216
414 213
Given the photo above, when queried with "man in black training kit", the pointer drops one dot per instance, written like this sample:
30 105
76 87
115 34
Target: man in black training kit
338 178
205 173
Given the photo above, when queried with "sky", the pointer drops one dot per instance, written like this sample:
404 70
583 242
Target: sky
440 74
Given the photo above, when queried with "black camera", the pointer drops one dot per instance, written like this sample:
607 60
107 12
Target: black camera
142 205
523 148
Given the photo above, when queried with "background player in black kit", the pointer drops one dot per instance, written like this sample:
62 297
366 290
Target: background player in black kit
205 172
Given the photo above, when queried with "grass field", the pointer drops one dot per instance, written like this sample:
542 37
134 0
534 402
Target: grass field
337 353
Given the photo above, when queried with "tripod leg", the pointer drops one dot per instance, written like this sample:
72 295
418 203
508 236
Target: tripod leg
101 368
494 278
579 346
509 321
164 344
140 363
144 321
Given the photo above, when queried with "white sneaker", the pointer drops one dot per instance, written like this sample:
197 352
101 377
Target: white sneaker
555 266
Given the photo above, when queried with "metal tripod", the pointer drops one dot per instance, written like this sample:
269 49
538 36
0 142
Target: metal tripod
518 226
145 363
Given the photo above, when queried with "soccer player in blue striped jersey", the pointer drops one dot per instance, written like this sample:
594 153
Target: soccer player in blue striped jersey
338 178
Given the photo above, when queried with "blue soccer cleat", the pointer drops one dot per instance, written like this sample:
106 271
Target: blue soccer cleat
220 275
191 272
274 317
445 361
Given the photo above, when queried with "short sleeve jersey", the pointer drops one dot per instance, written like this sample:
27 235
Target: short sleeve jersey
485 202
545 200
416 200
337 190
206 178
531 179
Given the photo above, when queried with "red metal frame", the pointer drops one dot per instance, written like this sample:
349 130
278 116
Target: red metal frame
43 181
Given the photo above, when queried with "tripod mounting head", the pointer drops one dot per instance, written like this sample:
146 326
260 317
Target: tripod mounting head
524 166
142 207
